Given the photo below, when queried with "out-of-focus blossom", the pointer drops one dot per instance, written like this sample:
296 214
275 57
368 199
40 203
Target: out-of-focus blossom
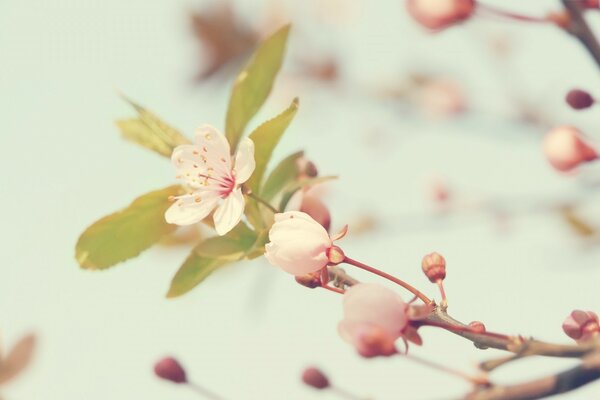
581 325
565 148
223 37
207 167
169 369
439 191
315 378
441 98
374 318
300 245
579 99
439 14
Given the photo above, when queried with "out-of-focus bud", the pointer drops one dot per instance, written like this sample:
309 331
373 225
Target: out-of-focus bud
590 3
169 369
439 14
315 378
441 98
434 267
314 207
477 326
306 168
562 19
581 325
579 99
311 281
565 148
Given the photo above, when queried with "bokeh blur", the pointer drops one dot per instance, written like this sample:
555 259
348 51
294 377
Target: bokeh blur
436 139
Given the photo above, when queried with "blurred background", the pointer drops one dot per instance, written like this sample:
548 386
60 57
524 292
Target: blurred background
437 142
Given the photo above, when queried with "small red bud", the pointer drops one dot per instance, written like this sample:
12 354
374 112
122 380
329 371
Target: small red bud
310 169
315 378
434 267
170 369
311 281
579 99
335 255
477 326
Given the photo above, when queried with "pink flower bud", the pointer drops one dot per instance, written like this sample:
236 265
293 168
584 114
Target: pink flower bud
298 244
315 378
314 207
579 99
170 369
374 317
565 148
439 14
581 325
477 326
434 267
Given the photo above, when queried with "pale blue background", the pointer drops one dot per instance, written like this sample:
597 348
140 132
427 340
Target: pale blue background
249 331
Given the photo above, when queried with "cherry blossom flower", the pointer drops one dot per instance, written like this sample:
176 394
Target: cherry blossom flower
374 318
300 245
439 14
215 179
565 148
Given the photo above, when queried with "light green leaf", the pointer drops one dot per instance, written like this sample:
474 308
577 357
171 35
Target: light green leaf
150 132
210 255
126 233
253 85
282 175
295 186
265 139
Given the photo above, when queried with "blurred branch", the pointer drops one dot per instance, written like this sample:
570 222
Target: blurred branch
587 371
579 28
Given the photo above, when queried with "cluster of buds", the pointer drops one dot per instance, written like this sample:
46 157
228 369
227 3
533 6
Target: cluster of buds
582 325
565 148
434 268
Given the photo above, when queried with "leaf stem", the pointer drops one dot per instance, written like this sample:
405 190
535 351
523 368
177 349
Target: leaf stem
389 277
262 201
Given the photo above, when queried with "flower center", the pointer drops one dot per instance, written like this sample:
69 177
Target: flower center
226 186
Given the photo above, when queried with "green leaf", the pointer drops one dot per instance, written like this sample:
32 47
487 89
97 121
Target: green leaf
150 132
126 233
295 186
265 139
282 176
210 255
253 84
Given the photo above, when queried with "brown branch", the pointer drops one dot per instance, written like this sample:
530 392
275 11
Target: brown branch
579 28
586 372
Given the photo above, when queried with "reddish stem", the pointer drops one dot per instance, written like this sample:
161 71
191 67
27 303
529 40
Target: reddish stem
510 15
444 303
389 277
458 328
474 380
333 289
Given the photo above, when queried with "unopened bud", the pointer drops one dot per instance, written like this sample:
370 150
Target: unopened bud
335 255
311 281
565 148
315 378
170 369
579 99
314 207
477 326
440 14
581 325
310 169
434 267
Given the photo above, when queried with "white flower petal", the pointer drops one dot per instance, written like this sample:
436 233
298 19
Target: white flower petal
244 160
230 212
191 208
214 148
